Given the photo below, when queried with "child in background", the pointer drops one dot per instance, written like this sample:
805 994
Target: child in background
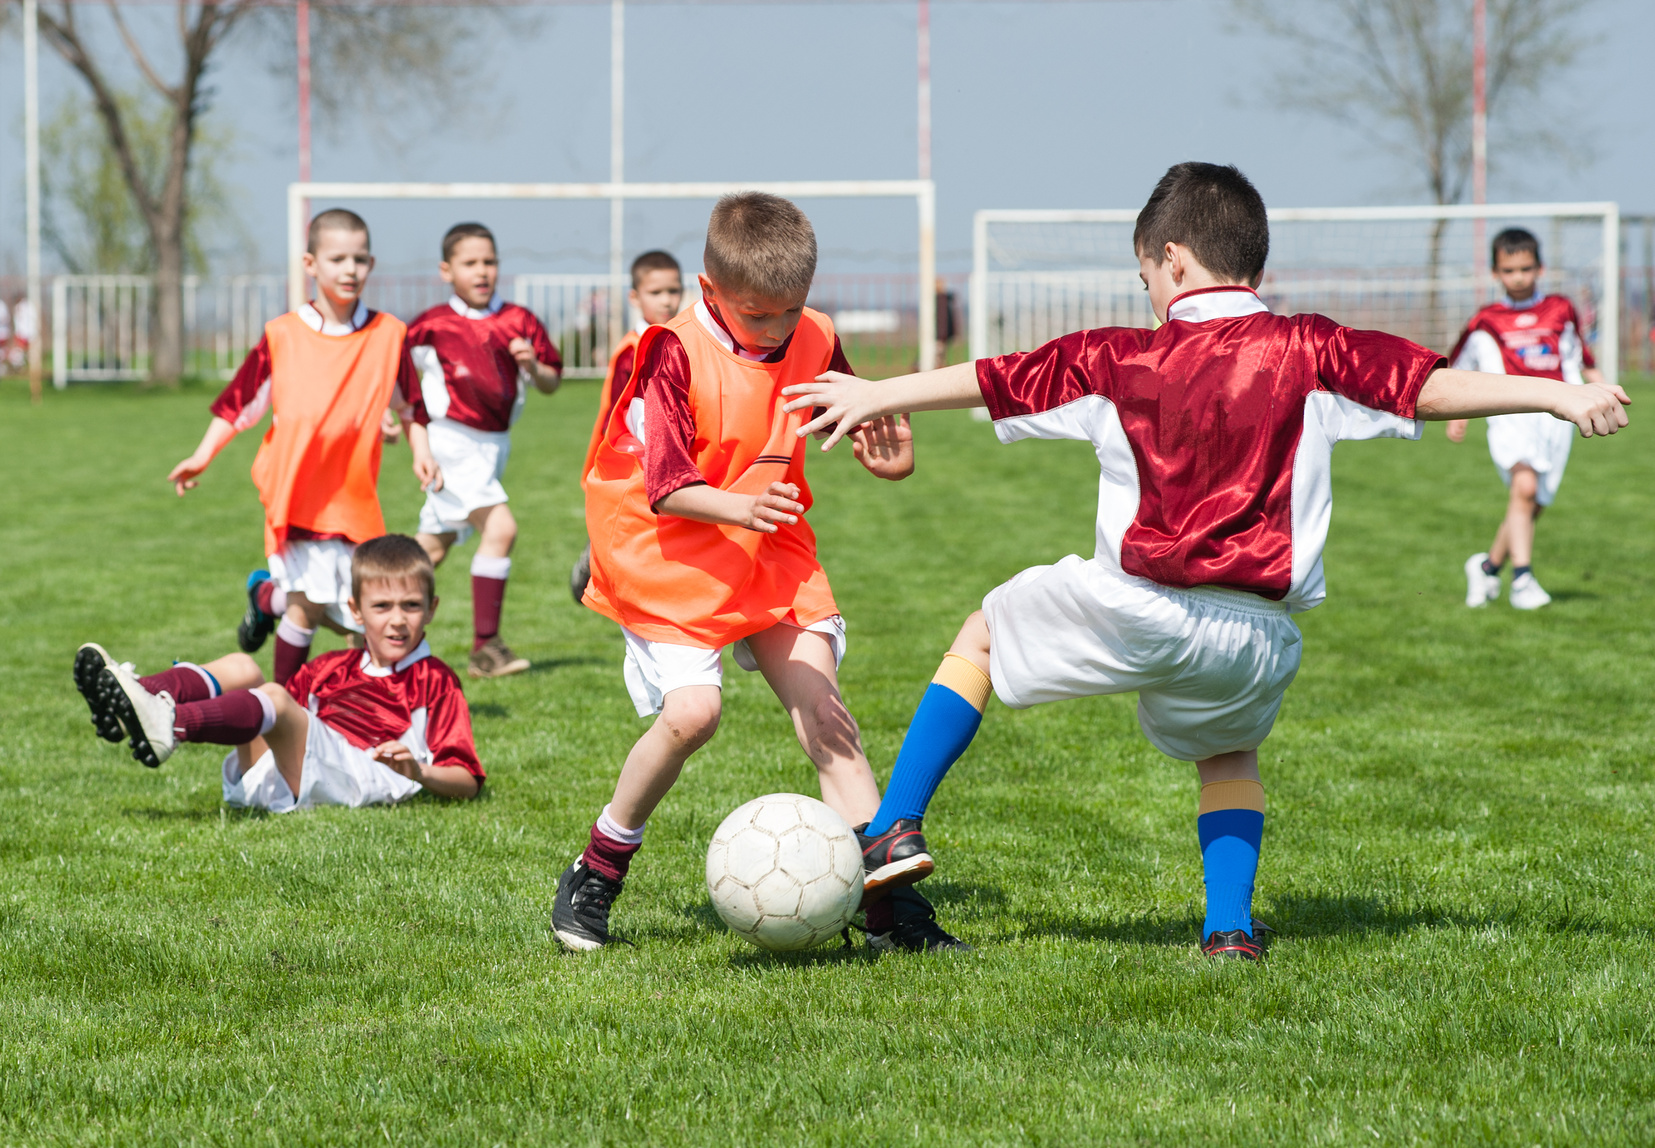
657 294
1215 435
350 728
476 355
1534 334
327 372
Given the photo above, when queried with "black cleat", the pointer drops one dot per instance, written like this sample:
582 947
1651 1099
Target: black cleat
255 625
1236 945
896 858
581 575
580 915
90 662
914 928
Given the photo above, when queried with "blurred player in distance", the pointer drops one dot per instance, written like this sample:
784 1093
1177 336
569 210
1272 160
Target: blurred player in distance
353 727
477 356
1215 435
327 373
1525 333
695 506
657 295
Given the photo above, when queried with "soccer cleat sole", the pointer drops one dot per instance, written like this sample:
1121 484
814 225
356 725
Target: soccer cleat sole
575 942
515 666
119 704
896 875
90 662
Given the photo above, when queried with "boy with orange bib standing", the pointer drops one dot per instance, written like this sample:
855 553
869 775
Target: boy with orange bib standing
327 372
694 505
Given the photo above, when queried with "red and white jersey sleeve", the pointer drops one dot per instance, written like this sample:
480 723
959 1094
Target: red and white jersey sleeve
1215 433
243 403
1539 337
466 369
417 702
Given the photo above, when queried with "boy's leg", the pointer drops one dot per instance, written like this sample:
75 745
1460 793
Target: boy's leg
294 633
490 567
436 546
1522 509
1230 825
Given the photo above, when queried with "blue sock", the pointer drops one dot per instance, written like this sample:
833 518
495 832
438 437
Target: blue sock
944 724
1231 829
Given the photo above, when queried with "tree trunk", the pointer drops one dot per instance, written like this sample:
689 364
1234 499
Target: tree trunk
167 340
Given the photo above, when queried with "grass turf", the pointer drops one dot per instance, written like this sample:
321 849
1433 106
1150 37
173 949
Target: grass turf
1454 856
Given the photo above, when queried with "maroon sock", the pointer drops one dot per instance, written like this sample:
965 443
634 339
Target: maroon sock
288 660
183 682
488 595
235 718
881 916
263 595
607 856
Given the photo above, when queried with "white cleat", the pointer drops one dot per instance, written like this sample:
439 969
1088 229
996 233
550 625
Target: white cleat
1526 593
1482 588
147 717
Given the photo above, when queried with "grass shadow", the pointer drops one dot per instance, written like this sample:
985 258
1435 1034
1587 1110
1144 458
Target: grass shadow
547 665
170 814
489 710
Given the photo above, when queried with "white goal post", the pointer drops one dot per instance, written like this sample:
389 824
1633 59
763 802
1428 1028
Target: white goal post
1416 271
922 191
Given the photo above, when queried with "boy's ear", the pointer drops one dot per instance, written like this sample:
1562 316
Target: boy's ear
445 271
356 613
707 289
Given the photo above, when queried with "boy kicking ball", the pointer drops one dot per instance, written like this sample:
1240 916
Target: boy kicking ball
353 727
477 355
1215 434
1538 335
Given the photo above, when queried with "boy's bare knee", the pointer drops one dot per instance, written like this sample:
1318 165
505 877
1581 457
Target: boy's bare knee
239 667
691 716
1525 484
435 547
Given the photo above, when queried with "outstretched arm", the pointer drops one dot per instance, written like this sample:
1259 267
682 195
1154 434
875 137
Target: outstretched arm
183 476
1593 407
850 402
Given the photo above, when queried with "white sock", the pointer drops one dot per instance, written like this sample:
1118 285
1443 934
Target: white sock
213 688
294 635
278 601
482 567
615 831
269 708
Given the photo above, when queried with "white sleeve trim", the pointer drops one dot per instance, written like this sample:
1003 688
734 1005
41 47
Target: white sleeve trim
250 414
433 385
1571 351
1481 353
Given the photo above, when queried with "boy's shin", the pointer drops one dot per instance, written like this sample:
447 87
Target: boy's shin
235 718
942 728
1230 826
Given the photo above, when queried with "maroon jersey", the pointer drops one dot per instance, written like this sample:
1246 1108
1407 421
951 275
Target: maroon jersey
417 702
1215 433
466 369
1538 337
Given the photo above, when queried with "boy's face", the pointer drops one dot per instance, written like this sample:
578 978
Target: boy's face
393 613
758 323
659 294
473 268
1517 272
340 265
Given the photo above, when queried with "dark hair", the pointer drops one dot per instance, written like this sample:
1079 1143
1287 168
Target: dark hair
392 556
334 219
465 231
1213 210
1511 241
653 261
760 243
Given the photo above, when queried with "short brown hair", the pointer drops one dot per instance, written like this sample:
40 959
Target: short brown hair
653 261
335 219
1213 210
465 231
392 556
1512 241
760 243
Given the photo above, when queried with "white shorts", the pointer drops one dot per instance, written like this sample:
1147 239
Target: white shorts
1536 439
1209 665
335 772
654 669
321 571
472 462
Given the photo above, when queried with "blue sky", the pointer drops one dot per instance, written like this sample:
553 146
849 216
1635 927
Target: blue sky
1035 105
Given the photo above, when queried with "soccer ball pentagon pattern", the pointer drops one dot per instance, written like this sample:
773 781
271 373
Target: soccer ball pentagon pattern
785 871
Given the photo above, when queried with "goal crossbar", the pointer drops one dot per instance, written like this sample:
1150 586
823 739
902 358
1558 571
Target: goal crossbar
922 191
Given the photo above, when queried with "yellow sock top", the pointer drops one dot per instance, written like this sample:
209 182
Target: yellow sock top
1218 795
964 678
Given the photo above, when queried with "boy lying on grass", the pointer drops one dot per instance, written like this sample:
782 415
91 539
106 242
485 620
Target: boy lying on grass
352 727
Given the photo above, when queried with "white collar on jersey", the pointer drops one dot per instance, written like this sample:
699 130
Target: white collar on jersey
724 340
313 319
1531 301
423 650
1215 303
465 310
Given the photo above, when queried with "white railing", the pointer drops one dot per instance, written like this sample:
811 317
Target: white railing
574 309
100 327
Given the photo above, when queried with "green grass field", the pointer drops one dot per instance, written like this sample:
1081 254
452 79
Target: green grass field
1458 854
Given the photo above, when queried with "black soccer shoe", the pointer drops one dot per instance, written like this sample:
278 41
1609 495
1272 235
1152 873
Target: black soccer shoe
255 625
581 575
915 928
580 915
1235 944
897 857
90 661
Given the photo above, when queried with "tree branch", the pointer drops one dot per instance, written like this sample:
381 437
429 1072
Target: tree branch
138 56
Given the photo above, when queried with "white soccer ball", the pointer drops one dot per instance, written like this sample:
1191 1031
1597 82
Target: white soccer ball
785 871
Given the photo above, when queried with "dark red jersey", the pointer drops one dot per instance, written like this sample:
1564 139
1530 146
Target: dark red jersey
1215 433
466 368
417 702
1539 337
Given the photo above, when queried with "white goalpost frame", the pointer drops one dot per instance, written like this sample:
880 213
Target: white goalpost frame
922 191
1608 343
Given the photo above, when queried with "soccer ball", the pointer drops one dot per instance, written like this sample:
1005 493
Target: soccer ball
785 871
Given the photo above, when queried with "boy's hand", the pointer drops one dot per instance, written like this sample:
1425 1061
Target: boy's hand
523 351
885 446
428 473
183 476
398 758
1456 429
390 428
1595 408
845 399
777 505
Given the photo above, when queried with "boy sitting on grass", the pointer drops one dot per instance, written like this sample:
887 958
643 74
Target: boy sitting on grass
352 727
1215 435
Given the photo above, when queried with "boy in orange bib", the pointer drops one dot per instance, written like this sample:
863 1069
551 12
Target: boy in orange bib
694 505
327 372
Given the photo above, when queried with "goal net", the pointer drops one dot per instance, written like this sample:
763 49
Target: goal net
1419 272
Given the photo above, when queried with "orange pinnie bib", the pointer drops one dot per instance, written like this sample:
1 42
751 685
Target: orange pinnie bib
318 467
695 583
607 396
